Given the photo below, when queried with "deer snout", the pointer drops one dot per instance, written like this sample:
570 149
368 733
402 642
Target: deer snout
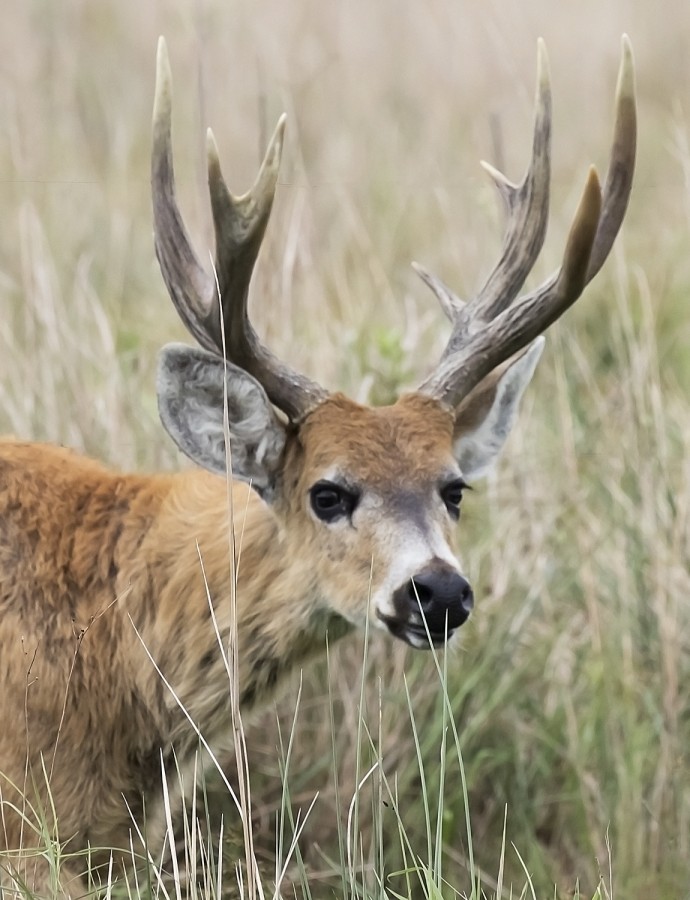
442 594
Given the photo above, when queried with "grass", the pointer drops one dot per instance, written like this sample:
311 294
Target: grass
570 690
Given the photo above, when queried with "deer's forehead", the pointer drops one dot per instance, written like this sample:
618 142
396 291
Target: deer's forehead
413 438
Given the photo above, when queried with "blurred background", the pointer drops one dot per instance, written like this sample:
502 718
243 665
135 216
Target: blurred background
570 689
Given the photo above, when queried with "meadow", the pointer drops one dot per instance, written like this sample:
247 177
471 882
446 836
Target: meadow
547 755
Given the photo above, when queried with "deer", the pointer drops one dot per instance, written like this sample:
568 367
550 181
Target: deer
117 589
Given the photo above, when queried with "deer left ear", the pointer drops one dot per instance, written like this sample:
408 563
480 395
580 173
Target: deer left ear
194 388
484 418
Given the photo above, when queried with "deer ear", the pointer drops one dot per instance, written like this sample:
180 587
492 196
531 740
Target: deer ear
192 387
484 418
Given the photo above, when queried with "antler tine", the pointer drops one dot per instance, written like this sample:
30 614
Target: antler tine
190 287
527 205
622 166
479 343
527 209
451 305
221 325
240 223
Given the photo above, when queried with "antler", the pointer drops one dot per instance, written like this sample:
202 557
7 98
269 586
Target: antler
492 327
215 309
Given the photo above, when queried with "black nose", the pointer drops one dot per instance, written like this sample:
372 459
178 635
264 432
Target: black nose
442 594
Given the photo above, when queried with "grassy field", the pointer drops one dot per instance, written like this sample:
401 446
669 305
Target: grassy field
570 690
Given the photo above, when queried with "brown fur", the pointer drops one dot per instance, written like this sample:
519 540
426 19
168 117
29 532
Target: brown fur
90 557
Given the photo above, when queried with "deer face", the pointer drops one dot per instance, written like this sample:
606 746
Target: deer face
378 494
368 498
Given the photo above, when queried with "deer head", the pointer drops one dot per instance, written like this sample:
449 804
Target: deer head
371 495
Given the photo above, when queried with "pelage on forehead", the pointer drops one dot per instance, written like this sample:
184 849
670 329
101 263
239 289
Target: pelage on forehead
414 433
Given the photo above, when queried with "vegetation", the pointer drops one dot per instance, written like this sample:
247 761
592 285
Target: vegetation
548 755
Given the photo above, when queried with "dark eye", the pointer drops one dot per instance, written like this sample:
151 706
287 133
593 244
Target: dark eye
451 494
332 501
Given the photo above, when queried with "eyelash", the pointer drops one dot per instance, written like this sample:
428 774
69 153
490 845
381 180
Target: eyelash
331 501
451 494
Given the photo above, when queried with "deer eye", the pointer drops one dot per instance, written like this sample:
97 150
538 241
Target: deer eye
332 501
451 494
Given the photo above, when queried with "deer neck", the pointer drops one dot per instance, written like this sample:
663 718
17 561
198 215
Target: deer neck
253 588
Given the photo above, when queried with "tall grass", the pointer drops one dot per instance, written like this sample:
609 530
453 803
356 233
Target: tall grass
569 692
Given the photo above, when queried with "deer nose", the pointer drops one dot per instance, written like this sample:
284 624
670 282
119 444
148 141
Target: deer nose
443 595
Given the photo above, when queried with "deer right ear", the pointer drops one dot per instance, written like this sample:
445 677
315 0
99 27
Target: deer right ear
485 417
192 386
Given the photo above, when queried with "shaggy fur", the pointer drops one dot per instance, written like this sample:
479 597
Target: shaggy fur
90 557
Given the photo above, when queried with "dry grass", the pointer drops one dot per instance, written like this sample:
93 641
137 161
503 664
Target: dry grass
571 690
